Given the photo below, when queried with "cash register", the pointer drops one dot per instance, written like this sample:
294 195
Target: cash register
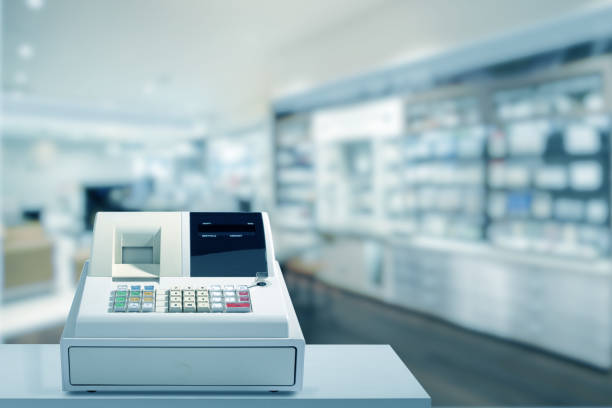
182 301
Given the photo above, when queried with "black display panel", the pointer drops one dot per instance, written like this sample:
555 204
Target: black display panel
227 244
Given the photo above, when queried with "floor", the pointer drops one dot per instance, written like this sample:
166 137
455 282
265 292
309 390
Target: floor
456 366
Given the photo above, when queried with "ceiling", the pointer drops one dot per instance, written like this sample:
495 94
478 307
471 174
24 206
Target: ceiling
205 58
218 60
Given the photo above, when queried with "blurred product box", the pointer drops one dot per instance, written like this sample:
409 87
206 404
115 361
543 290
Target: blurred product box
28 258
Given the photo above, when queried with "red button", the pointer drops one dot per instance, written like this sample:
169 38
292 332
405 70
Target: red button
243 292
238 304
244 298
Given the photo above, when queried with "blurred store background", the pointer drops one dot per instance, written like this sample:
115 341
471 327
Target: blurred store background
437 173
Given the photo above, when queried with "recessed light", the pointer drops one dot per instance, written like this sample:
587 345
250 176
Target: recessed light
25 51
148 89
21 78
35 4
16 95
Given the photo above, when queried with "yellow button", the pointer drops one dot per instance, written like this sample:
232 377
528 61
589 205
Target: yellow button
147 293
135 299
147 299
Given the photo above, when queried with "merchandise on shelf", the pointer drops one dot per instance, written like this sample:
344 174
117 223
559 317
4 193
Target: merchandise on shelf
444 168
549 168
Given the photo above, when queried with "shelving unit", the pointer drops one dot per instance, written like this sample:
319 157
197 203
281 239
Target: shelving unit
294 169
358 165
444 165
549 167
506 163
492 206
38 313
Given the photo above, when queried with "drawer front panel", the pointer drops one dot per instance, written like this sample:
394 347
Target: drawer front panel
199 366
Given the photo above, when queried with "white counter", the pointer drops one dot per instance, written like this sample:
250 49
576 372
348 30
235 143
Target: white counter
334 376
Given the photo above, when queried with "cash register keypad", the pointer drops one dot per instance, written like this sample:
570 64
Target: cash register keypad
214 298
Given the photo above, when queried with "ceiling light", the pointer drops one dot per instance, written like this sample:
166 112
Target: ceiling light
44 152
16 95
148 89
35 4
25 51
21 78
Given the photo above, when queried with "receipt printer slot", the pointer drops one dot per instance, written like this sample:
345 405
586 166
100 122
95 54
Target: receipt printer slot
136 252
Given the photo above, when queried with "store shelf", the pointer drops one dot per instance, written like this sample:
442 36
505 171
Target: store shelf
472 162
492 205
294 171
549 165
30 315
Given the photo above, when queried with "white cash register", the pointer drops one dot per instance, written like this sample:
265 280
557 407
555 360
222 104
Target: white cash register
182 301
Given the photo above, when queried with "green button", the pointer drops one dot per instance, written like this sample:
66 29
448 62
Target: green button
120 299
121 293
120 305
132 293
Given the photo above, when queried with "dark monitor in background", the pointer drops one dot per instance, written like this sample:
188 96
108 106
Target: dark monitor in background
31 214
104 198
244 205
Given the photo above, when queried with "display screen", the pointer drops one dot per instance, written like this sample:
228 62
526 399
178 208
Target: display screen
227 244
235 230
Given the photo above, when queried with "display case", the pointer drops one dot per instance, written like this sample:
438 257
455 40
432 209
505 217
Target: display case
549 165
294 172
492 205
443 165
345 184
520 164
357 166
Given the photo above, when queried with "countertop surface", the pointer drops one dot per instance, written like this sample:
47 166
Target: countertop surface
334 375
